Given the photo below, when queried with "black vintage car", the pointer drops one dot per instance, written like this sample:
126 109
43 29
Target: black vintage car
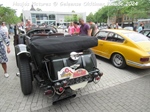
60 64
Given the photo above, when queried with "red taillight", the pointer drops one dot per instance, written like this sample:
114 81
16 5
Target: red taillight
48 92
98 78
61 89
144 59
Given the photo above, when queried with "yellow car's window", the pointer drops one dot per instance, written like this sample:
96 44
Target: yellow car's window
102 35
136 37
115 37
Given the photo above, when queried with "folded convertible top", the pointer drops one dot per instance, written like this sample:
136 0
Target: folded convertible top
62 44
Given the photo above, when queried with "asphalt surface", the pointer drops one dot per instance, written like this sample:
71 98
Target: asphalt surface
119 90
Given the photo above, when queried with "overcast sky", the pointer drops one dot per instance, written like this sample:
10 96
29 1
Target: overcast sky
56 5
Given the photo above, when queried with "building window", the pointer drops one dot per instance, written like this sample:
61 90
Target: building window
51 17
37 17
34 20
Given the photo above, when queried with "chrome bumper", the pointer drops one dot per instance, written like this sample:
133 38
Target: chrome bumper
138 65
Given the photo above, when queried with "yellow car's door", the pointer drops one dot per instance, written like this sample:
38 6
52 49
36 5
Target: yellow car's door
112 44
99 50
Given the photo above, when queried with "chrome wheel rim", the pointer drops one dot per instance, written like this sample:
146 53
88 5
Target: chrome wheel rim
118 60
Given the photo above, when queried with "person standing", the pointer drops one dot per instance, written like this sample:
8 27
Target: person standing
4 28
92 28
76 28
84 28
28 25
143 26
3 57
140 28
71 29
135 27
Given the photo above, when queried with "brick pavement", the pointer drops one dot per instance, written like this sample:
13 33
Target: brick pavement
12 99
132 96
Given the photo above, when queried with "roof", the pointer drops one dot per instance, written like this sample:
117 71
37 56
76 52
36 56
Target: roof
32 8
117 30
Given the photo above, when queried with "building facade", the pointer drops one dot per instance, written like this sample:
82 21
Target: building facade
49 17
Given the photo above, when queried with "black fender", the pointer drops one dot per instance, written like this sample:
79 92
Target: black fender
21 49
21 39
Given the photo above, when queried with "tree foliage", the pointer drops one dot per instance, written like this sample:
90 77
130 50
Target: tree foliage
72 18
90 17
8 15
119 8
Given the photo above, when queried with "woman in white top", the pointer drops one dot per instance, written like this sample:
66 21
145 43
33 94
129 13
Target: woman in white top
4 28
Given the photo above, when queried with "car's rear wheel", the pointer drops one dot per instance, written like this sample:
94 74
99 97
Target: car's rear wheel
118 60
25 74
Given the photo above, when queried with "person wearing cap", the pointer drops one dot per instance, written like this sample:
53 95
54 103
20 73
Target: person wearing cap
3 56
4 28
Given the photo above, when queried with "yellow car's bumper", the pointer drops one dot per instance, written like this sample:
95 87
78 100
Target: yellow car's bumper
138 65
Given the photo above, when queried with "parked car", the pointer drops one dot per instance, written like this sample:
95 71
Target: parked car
146 32
60 64
123 47
62 26
128 28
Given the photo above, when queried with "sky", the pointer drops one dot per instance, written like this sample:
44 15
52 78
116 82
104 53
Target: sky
56 5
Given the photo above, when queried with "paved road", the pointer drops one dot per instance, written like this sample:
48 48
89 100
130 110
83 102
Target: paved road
12 99
132 96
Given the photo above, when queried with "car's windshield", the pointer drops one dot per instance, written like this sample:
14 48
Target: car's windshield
136 37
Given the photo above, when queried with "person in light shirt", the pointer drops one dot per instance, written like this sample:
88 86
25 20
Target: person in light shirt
28 25
4 28
3 55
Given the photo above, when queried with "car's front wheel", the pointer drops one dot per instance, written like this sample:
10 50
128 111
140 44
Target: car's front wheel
25 74
118 60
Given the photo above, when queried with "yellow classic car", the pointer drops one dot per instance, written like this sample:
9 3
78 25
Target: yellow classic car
123 48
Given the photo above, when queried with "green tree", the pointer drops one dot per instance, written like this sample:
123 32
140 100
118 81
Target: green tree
8 15
137 8
90 17
102 14
71 18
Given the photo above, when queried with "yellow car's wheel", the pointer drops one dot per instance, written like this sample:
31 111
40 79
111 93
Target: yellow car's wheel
118 60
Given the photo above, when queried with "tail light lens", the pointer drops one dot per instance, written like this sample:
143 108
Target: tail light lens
48 92
144 59
61 89
97 78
